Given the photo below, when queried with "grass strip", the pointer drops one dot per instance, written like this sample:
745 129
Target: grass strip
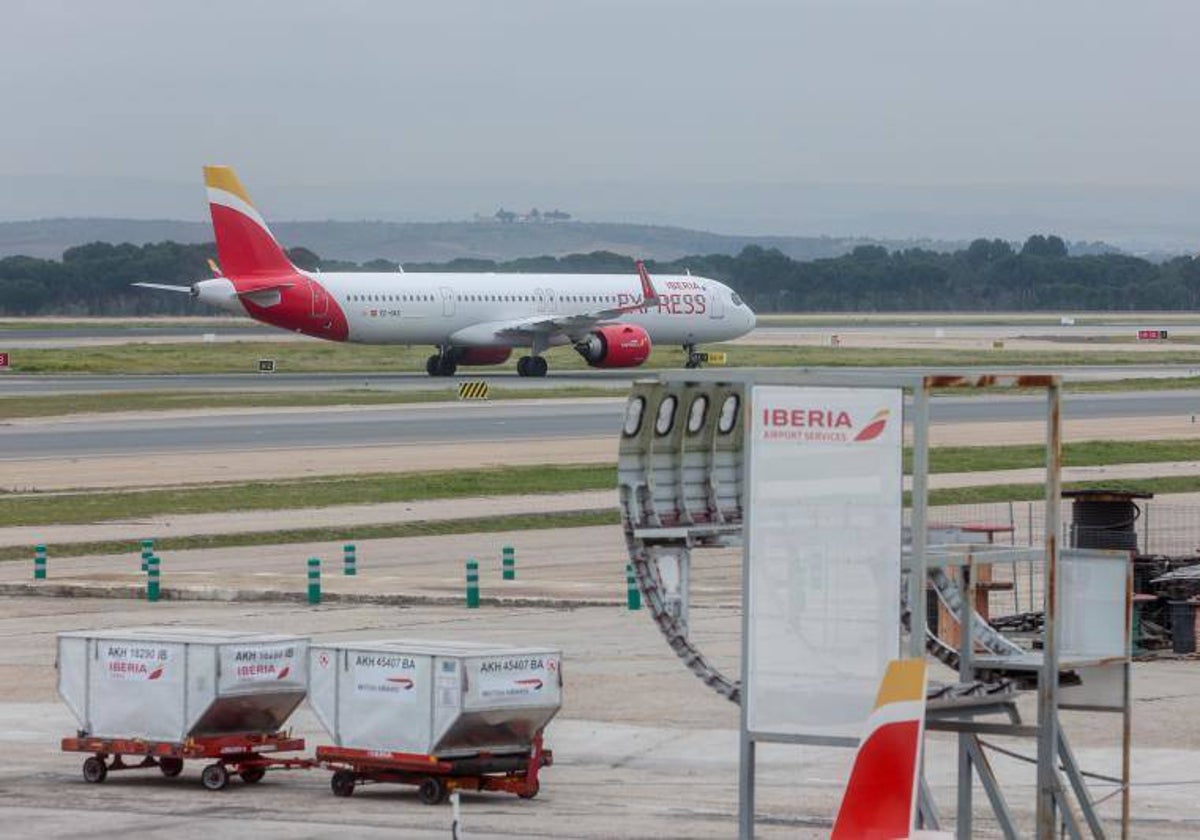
961 459
75 508
431 528
539 521
95 506
984 494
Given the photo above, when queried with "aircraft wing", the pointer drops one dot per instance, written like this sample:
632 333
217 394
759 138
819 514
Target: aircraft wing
185 289
574 326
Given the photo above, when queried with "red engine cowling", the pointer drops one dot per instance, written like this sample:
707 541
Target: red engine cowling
615 346
484 355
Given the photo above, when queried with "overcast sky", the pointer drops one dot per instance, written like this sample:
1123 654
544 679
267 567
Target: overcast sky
718 114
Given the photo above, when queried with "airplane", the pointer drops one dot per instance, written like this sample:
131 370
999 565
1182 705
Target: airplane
612 320
880 801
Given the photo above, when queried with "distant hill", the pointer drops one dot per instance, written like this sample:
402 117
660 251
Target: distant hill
440 241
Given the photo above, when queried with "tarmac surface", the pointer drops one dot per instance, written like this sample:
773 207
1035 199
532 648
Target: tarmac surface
642 749
524 420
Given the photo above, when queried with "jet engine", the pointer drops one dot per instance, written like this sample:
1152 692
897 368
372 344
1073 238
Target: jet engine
483 355
615 346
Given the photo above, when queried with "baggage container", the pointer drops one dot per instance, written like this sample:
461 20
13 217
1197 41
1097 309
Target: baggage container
172 684
444 699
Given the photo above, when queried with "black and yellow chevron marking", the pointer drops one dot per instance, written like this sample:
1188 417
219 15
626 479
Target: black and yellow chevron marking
473 389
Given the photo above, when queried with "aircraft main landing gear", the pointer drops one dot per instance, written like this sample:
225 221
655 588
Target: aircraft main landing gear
693 357
532 366
440 364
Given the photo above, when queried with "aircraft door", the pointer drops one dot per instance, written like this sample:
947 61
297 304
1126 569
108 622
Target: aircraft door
551 301
447 302
716 303
320 300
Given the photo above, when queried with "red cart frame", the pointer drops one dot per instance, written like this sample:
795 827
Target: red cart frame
436 777
241 754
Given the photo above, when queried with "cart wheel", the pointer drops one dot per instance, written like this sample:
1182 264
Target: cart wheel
253 775
342 782
432 790
214 776
531 792
170 767
94 770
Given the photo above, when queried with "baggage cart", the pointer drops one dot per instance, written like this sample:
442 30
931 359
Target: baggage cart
435 778
242 755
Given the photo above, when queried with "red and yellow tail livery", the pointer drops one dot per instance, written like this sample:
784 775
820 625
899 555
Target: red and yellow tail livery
881 796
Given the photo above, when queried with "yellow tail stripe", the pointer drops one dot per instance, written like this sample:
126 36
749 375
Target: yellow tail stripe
224 178
904 681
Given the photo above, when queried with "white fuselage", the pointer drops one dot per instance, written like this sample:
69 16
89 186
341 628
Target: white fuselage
457 308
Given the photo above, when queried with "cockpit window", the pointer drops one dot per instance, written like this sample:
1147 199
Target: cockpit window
736 298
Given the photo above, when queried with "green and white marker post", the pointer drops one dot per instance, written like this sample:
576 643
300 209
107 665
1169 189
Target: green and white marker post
633 595
39 562
349 560
472 584
147 550
152 582
509 562
314 580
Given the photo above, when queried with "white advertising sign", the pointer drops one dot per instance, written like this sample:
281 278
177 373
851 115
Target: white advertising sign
385 675
517 676
823 552
131 661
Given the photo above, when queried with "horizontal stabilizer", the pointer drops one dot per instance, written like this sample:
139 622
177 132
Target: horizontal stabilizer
265 296
187 290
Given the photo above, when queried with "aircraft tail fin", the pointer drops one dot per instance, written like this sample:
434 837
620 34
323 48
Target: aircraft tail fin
649 293
880 798
245 245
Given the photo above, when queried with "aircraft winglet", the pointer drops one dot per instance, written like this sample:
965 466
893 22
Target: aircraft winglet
881 795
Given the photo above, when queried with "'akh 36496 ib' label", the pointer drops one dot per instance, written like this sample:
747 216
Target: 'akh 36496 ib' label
263 663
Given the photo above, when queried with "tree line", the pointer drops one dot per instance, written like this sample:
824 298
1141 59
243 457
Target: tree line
988 275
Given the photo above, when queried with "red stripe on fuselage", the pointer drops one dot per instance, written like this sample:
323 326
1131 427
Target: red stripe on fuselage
244 248
304 307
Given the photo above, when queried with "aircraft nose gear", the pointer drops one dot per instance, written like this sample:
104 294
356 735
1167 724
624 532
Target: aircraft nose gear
532 366
693 356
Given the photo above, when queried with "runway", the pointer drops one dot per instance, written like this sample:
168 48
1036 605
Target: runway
469 422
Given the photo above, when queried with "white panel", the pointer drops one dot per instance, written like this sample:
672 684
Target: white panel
72 676
322 688
1093 606
505 682
448 694
136 689
384 701
823 552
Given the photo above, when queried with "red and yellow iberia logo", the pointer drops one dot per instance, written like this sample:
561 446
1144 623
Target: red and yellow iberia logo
875 428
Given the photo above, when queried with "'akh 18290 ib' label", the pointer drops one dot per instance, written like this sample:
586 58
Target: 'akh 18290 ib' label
136 662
